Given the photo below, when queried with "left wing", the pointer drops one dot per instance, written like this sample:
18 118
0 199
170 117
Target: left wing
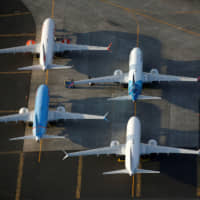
118 150
148 149
150 77
60 47
18 117
35 48
56 115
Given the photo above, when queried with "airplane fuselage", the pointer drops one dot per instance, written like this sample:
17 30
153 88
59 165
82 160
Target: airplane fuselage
40 119
47 43
135 76
132 149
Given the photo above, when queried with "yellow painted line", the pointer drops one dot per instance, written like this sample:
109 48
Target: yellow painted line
52 8
17 35
21 72
133 186
153 18
79 177
138 28
138 185
20 174
9 152
120 160
47 77
15 14
40 152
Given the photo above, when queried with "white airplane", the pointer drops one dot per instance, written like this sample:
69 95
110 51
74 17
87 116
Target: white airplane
41 116
47 47
134 78
132 150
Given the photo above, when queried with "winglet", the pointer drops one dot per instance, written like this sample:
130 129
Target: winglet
105 116
109 46
69 84
66 155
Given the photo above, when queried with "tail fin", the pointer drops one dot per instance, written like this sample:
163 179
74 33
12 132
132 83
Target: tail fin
23 138
52 137
145 171
105 116
53 66
33 67
121 171
69 84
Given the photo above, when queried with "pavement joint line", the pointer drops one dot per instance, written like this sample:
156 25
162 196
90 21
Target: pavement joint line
9 111
40 152
135 107
20 174
15 14
133 186
24 72
17 35
9 152
79 177
153 18
52 8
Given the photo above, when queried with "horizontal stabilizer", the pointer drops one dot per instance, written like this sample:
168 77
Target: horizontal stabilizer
142 97
53 66
121 171
52 137
23 138
144 171
33 67
122 98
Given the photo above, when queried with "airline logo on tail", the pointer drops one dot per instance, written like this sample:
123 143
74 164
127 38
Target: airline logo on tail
134 89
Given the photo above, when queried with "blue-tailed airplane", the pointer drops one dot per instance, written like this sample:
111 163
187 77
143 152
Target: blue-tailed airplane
134 78
41 116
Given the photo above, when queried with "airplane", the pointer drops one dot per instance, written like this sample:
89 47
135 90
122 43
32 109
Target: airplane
134 78
47 47
132 150
41 115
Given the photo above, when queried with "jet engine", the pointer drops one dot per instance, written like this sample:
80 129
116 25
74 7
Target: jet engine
154 71
30 42
60 109
152 142
23 110
114 143
117 72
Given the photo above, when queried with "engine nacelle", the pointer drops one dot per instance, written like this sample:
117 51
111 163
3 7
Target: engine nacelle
23 110
66 41
114 143
30 42
118 72
154 71
152 142
60 109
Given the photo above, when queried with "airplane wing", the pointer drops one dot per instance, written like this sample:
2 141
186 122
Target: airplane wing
60 47
121 78
150 77
35 48
56 115
26 117
148 149
118 150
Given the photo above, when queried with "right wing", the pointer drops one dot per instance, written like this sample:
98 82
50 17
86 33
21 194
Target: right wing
122 78
56 115
118 150
35 48
26 117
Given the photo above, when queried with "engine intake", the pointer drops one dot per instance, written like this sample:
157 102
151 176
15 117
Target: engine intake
152 142
60 109
154 71
23 110
114 143
118 72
